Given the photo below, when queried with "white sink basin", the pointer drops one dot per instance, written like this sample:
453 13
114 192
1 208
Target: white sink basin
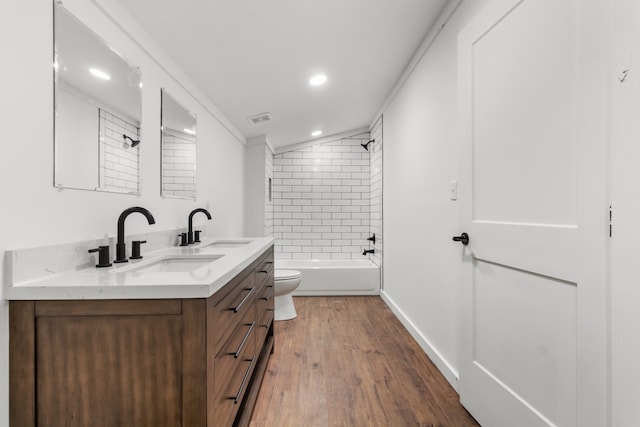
227 244
175 264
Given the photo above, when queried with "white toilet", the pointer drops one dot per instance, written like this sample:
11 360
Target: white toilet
285 282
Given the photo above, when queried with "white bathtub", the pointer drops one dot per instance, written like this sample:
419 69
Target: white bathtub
335 277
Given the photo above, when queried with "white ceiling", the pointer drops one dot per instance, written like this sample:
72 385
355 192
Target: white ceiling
256 56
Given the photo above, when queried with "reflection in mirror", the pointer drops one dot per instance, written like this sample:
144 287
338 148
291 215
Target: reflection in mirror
178 169
97 111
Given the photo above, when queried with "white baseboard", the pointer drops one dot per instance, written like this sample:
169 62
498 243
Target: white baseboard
441 363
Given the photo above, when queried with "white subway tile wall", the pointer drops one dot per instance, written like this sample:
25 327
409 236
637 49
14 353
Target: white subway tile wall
119 162
178 165
375 150
321 201
268 191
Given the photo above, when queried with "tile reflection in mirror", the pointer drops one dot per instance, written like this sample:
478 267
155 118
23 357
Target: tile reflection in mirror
97 111
178 168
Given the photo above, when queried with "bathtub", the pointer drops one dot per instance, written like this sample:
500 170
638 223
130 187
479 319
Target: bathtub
335 277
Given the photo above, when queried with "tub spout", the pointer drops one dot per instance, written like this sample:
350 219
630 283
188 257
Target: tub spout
368 251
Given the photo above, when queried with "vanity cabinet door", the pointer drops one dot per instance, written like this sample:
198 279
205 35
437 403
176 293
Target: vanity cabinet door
113 363
79 355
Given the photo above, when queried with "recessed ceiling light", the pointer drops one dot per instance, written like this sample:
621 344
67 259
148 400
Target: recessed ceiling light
189 131
99 74
318 80
316 133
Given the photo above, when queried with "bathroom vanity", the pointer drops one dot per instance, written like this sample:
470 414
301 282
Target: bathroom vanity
155 343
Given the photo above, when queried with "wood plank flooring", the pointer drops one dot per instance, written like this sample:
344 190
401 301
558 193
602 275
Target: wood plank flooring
348 361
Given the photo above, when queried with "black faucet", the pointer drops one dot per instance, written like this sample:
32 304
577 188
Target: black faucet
121 248
190 238
368 251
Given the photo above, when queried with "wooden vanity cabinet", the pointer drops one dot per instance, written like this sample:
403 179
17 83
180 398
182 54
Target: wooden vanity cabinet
164 362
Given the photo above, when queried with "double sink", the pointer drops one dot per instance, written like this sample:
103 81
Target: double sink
64 272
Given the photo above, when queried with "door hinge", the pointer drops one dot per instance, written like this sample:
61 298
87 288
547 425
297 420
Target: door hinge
610 221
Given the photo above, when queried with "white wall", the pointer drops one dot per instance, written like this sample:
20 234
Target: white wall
257 161
421 263
32 212
268 190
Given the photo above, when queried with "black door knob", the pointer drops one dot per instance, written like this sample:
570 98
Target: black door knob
463 238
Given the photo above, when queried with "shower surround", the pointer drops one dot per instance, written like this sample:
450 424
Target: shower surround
321 200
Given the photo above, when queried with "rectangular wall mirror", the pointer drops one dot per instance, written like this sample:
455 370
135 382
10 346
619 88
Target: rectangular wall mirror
97 111
178 129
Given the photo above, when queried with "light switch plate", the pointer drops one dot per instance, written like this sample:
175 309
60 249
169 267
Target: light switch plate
454 190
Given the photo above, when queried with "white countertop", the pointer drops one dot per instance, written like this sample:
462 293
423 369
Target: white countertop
124 281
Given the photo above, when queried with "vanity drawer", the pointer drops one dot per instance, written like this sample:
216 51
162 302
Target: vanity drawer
230 400
265 319
239 346
265 297
264 270
233 367
233 307
264 273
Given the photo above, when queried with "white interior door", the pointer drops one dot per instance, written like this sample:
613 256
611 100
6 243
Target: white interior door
625 253
533 102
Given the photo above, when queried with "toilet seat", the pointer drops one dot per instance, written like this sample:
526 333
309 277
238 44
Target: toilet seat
286 275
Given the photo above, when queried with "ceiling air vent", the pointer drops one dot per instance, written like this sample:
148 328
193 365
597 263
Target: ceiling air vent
260 118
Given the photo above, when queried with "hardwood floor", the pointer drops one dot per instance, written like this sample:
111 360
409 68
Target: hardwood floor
347 361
